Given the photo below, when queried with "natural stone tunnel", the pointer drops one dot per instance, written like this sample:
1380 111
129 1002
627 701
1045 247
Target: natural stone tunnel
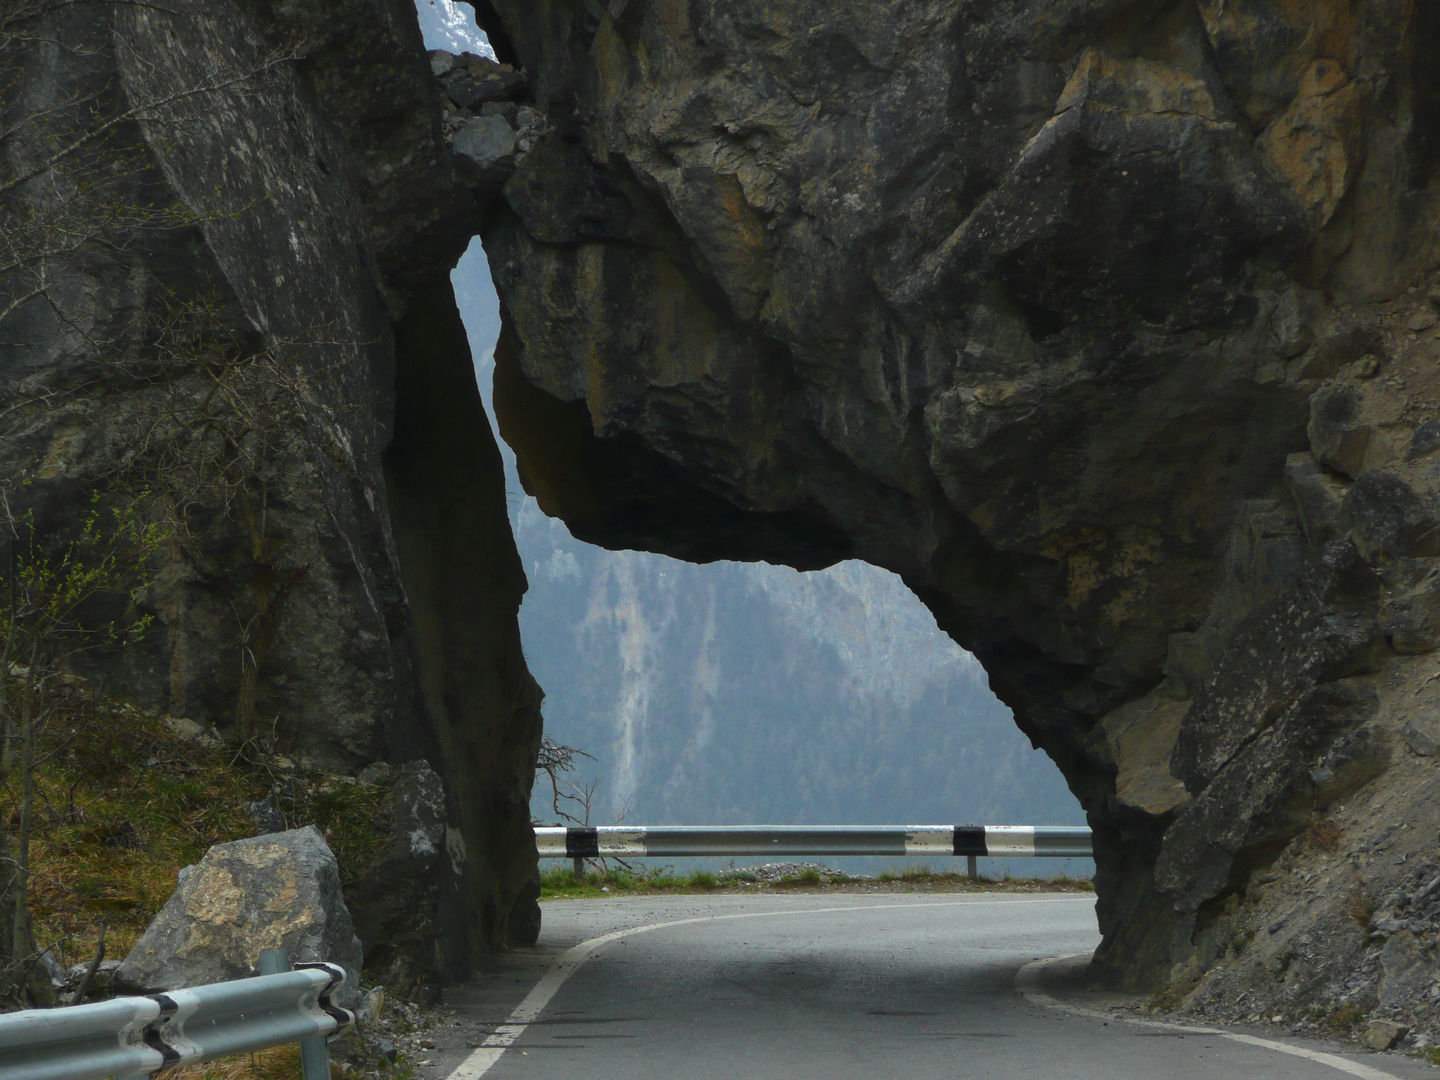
1104 323
1088 319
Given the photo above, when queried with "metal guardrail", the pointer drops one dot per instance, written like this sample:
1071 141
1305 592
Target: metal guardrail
972 841
132 1037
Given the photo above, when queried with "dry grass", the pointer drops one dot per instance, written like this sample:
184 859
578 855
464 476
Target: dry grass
1360 907
277 1063
1323 835
124 804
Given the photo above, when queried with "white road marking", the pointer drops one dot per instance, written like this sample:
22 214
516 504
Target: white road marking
488 1053
1027 983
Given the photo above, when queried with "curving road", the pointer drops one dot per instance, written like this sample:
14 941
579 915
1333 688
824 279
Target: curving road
837 987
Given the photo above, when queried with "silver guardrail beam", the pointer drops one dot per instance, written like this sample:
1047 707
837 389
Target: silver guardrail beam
993 841
136 1036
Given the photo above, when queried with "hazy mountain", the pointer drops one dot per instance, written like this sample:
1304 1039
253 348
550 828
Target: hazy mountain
734 693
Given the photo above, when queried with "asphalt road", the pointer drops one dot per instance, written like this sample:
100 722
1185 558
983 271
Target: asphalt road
839 987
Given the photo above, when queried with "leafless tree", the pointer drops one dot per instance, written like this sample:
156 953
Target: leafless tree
570 798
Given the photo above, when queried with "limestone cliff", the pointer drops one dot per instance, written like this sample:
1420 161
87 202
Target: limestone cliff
199 195
1104 323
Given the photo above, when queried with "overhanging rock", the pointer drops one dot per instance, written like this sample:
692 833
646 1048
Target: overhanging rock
1109 327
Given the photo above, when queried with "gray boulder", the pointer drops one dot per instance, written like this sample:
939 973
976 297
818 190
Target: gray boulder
267 892
485 150
1393 515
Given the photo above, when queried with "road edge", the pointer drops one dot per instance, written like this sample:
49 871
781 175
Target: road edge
567 963
1029 985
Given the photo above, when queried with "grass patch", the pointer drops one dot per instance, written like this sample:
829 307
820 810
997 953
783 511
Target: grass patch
1360 907
560 882
120 809
808 877
123 803
1346 1019
277 1063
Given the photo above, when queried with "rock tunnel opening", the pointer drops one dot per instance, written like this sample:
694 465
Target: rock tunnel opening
715 691
762 329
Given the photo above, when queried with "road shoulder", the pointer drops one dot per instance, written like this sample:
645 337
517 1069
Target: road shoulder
1061 983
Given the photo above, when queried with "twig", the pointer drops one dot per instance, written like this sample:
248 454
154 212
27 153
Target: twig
94 965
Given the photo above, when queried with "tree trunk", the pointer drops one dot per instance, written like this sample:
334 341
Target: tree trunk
23 979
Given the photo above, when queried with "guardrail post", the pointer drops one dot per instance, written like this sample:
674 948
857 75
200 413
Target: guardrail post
972 867
314 1054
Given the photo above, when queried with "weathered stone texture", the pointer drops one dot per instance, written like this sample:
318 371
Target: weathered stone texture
293 162
1104 324
280 891
396 900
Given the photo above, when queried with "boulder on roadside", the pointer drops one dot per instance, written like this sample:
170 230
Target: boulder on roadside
1383 1034
278 891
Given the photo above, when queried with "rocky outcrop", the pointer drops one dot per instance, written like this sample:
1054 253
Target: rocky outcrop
234 302
280 891
396 900
1107 325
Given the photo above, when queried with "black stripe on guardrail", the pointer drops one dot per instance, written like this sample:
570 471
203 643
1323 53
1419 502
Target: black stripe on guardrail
153 1037
582 843
970 840
343 1017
